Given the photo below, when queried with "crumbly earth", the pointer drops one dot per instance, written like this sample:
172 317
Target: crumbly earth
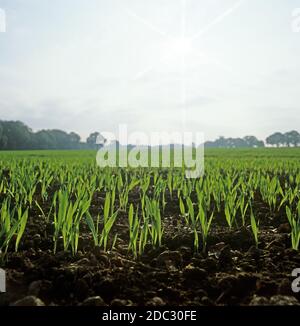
232 272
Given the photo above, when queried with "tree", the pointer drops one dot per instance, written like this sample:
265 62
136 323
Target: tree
3 137
92 138
276 139
44 140
252 141
221 142
16 135
292 137
239 142
95 139
74 140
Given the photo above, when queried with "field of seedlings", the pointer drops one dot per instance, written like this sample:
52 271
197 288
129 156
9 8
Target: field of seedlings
74 234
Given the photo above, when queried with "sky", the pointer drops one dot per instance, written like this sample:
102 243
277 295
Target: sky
221 67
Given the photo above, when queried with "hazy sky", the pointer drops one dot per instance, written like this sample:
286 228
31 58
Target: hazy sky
229 68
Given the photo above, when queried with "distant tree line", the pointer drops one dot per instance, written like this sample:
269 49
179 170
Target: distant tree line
248 141
15 135
288 139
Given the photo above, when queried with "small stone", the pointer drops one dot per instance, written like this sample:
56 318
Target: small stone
193 273
37 239
30 301
219 246
96 301
83 262
186 252
166 257
97 251
102 257
156 301
121 303
284 287
34 288
225 257
259 301
284 228
254 252
210 264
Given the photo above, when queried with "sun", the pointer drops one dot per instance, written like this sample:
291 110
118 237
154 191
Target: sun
177 47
